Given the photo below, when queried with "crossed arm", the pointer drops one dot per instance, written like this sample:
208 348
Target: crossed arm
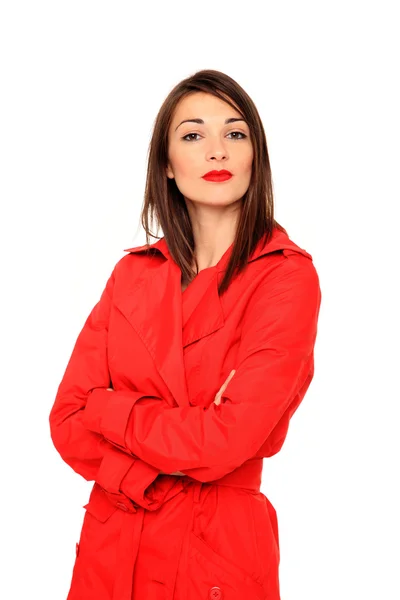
125 436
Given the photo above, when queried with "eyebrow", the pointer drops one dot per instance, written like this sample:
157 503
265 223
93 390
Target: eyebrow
201 122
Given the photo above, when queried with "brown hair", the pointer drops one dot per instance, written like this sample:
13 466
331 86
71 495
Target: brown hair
164 200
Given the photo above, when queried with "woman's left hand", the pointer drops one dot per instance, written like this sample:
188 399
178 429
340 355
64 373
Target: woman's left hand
218 396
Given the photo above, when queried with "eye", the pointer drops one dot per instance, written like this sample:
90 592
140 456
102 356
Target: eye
187 135
231 133
238 132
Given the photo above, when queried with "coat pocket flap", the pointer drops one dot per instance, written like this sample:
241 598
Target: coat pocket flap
225 570
99 505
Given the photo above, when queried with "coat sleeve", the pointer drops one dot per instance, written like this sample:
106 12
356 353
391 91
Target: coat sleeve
273 371
87 452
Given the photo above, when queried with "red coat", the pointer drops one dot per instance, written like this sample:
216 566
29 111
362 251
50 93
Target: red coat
210 535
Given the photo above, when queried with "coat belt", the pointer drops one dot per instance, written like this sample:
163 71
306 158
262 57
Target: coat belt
247 477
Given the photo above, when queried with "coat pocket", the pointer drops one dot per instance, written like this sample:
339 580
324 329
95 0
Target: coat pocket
100 532
207 570
99 506
96 563
265 533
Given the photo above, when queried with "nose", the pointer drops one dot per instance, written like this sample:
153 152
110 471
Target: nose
216 150
218 156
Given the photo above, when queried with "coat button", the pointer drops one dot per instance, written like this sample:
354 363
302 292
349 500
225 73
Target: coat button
215 593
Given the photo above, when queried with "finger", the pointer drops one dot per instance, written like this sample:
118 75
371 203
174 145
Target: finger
225 385
231 374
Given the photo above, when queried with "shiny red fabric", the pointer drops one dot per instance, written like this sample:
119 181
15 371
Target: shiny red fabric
211 534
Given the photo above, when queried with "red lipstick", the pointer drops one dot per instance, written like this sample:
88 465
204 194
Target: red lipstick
217 175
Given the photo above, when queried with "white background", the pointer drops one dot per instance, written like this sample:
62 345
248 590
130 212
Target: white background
81 84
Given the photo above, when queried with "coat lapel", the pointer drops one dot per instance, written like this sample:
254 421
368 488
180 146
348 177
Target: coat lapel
202 308
166 320
153 307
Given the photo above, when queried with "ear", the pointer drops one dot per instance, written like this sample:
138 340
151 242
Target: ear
169 172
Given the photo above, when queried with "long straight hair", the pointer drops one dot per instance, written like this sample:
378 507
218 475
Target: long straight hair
164 202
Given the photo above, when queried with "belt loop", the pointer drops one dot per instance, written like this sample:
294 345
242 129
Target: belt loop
197 491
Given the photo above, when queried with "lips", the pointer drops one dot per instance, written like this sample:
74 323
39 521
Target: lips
222 175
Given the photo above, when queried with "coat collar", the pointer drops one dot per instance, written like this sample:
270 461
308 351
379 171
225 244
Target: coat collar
173 322
279 241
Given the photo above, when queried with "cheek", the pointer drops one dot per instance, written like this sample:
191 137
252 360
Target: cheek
246 161
249 161
246 166
184 164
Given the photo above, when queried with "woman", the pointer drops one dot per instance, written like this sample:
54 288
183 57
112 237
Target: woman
188 369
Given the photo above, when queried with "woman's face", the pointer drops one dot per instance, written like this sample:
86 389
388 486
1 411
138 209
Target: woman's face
195 149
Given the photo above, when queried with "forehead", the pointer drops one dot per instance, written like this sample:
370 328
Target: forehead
203 105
